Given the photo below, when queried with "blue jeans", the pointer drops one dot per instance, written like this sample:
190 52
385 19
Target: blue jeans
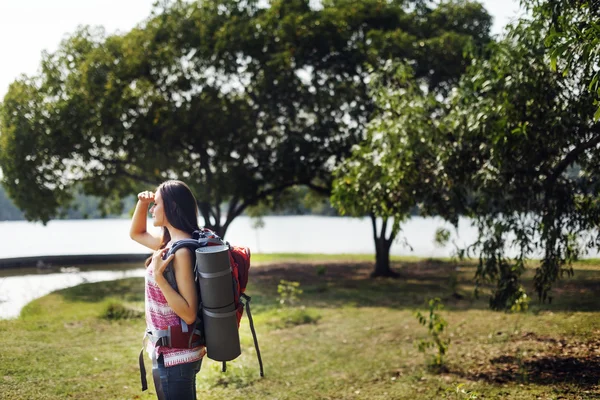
177 382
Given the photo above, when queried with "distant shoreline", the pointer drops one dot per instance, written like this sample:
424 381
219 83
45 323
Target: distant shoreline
48 262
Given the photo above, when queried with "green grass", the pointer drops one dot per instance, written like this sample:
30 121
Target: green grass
317 257
347 337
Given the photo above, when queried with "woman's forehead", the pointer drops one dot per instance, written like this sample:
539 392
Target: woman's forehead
157 196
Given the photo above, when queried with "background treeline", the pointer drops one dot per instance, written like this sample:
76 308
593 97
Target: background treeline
82 207
8 210
296 201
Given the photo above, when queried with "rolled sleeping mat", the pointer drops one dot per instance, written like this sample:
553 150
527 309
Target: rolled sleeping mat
221 334
219 314
216 287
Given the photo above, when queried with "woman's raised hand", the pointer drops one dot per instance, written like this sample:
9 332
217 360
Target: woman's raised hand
146 197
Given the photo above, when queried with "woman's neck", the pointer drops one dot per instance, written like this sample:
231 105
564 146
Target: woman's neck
177 234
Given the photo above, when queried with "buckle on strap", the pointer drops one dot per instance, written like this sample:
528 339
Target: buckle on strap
159 337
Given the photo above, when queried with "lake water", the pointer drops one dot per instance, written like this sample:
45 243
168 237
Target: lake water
18 290
291 234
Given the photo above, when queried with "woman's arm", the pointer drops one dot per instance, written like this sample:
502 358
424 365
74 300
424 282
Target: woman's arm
184 303
138 230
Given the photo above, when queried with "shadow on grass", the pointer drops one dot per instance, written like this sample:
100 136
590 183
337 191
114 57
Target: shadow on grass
340 284
561 361
129 289
349 284
546 370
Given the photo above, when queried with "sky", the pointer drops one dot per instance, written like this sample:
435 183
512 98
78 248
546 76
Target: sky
28 27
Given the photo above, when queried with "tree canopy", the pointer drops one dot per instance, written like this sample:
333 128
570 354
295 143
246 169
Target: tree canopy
514 146
573 38
525 146
397 167
239 99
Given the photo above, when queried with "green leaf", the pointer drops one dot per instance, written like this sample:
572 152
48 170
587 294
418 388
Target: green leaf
593 86
553 63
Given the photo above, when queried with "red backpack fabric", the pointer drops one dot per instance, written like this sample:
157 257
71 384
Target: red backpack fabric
239 259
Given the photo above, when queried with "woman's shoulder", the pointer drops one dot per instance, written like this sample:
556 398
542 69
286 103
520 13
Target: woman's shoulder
183 255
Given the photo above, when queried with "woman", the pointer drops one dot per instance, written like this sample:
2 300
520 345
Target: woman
175 210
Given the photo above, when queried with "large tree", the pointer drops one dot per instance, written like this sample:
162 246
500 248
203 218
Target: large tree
396 168
174 98
239 99
525 143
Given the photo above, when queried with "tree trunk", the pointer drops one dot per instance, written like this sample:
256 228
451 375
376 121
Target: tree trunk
212 219
382 250
382 260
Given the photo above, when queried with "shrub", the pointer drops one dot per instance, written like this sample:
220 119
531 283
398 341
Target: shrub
117 311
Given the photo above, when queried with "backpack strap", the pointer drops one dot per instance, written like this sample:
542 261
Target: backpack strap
260 363
143 371
154 357
169 274
191 244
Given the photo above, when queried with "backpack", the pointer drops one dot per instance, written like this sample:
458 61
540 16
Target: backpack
185 336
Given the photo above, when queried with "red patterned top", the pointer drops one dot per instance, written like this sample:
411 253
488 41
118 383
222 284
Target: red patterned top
159 316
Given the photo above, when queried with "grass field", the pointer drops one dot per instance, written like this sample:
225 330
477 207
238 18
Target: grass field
346 337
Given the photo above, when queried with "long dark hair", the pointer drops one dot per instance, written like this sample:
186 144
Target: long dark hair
181 209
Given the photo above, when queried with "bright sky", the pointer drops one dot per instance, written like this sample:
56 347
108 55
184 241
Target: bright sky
27 27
